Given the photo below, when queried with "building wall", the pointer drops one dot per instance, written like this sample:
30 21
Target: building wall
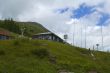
48 37
3 37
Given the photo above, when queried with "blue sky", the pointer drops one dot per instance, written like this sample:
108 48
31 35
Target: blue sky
62 10
104 17
84 10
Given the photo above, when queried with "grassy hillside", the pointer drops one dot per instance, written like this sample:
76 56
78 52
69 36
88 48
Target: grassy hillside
32 28
41 56
15 27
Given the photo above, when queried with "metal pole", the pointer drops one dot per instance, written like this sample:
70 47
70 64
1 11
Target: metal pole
102 36
85 36
74 33
81 35
73 38
93 47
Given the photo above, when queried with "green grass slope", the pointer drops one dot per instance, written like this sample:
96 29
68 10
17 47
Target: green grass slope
41 56
32 28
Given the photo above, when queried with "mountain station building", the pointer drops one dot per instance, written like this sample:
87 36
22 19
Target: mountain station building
48 36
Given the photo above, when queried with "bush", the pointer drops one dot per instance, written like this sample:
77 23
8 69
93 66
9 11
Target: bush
41 53
24 39
16 43
83 51
2 52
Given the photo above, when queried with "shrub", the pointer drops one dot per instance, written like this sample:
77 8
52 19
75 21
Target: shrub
52 59
24 39
83 51
16 42
2 52
41 53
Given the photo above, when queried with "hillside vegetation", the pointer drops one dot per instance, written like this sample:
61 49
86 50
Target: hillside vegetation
32 28
41 56
15 27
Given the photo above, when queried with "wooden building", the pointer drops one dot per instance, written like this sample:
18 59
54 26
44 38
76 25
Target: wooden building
48 36
4 35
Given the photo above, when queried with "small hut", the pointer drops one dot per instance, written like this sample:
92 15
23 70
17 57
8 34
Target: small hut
4 35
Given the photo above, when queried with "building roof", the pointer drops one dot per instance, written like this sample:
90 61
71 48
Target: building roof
44 33
4 32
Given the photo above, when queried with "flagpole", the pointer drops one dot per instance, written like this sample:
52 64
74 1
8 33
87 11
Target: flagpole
102 36
74 33
81 35
85 36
